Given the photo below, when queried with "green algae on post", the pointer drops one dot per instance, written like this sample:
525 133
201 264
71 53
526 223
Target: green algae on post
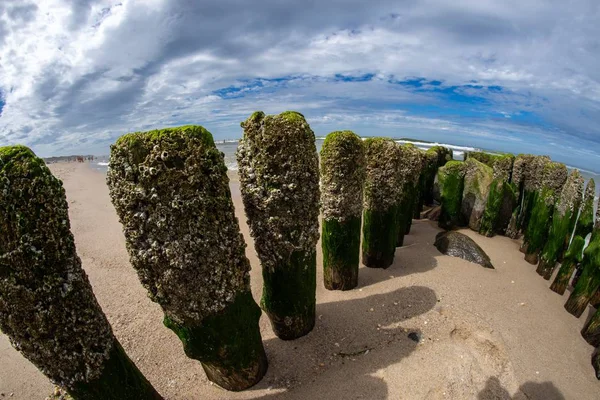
342 181
171 192
572 258
562 225
502 198
585 223
589 281
538 226
591 330
279 180
477 182
596 362
435 157
410 171
383 159
451 182
47 307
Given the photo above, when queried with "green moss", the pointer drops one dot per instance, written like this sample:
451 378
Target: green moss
405 213
228 344
493 205
139 144
451 182
585 223
572 258
485 158
538 226
340 242
292 116
591 330
289 295
380 232
20 160
589 281
120 380
554 245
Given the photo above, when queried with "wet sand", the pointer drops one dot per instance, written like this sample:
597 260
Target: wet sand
485 334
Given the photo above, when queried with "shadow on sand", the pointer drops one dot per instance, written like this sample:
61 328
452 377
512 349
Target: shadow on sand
364 335
421 258
528 391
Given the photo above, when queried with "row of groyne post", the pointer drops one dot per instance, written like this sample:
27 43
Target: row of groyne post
541 201
171 193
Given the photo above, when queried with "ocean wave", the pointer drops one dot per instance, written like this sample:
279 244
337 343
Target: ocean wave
103 164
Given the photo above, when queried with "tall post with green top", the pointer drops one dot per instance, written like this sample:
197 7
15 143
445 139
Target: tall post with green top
380 211
409 181
562 224
47 307
342 181
574 254
171 192
589 281
502 197
279 177
536 234
451 183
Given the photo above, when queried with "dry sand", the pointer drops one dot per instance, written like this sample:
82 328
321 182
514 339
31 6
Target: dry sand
486 334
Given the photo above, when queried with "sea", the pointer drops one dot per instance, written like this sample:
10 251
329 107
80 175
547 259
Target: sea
229 147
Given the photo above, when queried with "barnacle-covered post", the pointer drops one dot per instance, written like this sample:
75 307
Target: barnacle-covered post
562 224
574 254
409 177
571 260
342 181
47 307
279 176
451 182
502 197
554 177
589 281
477 182
171 193
380 213
591 330
436 157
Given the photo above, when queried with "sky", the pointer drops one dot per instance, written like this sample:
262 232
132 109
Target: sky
517 76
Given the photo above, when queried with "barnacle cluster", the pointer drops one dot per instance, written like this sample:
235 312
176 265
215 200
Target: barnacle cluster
520 168
171 192
279 176
554 178
503 166
411 164
47 307
535 173
342 175
383 159
571 194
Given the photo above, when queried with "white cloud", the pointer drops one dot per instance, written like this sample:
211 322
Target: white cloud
75 74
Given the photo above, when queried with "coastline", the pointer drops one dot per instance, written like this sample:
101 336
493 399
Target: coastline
483 332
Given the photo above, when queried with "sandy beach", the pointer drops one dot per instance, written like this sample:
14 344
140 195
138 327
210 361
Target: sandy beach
484 334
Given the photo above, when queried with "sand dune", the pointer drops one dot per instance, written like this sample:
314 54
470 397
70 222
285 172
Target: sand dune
485 334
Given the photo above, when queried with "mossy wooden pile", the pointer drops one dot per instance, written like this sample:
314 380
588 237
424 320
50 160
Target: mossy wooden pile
478 178
171 192
502 197
383 159
562 225
451 183
279 180
434 158
589 281
591 330
543 201
342 181
527 176
47 307
409 180
574 254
